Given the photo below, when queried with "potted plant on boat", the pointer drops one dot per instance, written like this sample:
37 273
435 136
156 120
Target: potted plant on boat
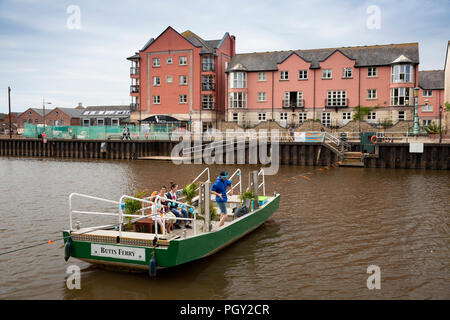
132 206
189 192
248 195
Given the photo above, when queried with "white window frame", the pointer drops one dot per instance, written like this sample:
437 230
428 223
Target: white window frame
372 72
208 102
156 62
402 97
262 97
283 116
325 119
427 108
169 79
182 99
183 80
347 73
302 74
401 115
169 60
337 98
235 117
372 116
102 120
346 116
156 81
262 76
182 61
426 122
113 120
156 99
429 93
284 75
238 100
238 80
372 94
302 117
399 71
327 74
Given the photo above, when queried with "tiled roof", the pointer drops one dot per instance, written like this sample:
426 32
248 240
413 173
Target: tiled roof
207 46
377 55
432 79
72 112
41 111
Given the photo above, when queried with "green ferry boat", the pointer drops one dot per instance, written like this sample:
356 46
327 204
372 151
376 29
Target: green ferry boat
140 249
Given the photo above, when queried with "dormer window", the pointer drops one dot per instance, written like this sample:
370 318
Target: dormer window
238 80
402 73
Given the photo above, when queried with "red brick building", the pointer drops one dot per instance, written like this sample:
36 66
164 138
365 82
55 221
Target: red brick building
64 117
31 116
181 75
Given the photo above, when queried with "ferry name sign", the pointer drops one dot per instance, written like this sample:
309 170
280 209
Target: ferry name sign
127 253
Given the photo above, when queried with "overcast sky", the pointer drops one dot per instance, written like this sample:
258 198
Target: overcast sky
41 57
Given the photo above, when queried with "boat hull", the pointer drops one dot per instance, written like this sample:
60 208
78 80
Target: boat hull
179 251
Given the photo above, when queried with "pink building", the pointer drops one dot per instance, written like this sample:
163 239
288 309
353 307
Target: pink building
323 84
181 75
431 95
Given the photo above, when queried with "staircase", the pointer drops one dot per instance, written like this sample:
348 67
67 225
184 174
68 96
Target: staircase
352 159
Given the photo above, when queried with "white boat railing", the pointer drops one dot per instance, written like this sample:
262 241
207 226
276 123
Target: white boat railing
121 206
238 172
263 183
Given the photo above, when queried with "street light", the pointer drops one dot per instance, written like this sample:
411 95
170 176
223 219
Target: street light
43 105
416 111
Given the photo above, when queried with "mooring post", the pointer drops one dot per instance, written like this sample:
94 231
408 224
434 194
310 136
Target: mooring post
207 194
255 188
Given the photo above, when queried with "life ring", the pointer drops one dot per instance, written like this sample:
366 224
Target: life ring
374 139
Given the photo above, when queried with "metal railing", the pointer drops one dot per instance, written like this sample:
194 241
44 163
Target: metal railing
134 71
336 103
297 104
238 172
262 184
337 141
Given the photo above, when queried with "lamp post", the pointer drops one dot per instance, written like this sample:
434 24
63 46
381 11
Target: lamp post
440 123
43 107
416 111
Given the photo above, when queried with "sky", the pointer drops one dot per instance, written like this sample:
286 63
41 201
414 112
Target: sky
74 51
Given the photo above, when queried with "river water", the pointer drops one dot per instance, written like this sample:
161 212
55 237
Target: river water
332 225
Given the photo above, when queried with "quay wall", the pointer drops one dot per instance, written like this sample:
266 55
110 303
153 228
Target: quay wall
387 155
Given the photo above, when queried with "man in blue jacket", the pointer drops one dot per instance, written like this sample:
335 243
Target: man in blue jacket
219 188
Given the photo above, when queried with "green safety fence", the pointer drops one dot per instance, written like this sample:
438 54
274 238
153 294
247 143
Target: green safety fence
151 132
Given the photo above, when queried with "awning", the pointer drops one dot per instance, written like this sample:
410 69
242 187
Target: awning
161 119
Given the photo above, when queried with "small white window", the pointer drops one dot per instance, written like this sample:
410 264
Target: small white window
183 80
283 116
183 98
426 122
346 116
372 116
284 75
235 117
347 73
261 76
401 116
302 74
372 72
155 62
156 81
183 61
327 74
371 94
169 79
302 117
427 108
169 60
156 100
261 97
326 119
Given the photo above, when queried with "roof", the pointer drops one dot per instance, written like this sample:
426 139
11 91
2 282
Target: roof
431 79
2 115
376 55
116 111
208 46
40 111
72 112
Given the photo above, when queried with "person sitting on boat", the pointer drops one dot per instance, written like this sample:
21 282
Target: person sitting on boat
160 210
219 188
173 207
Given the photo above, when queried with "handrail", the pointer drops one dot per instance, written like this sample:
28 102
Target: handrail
263 183
198 177
239 173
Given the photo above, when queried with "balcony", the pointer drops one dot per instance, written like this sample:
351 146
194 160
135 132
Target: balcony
207 66
293 104
134 106
134 71
208 106
134 89
336 103
208 86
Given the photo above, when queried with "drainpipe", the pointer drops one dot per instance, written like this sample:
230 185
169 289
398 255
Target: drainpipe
273 119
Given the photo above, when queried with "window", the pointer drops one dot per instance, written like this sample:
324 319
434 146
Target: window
208 63
56 112
326 119
283 116
372 72
302 74
262 97
155 62
261 76
347 73
50 122
86 122
183 80
347 116
169 60
427 108
293 99
238 80
235 117
156 99
371 94
238 100
372 116
183 98
208 101
115 121
327 74
156 81
426 122
208 83
100 122
226 65
401 116
284 75
401 73
36 120
337 99
261 116
302 117
427 93
169 79
183 61
401 96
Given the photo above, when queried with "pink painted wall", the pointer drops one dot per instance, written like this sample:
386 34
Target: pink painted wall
381 83
436 100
